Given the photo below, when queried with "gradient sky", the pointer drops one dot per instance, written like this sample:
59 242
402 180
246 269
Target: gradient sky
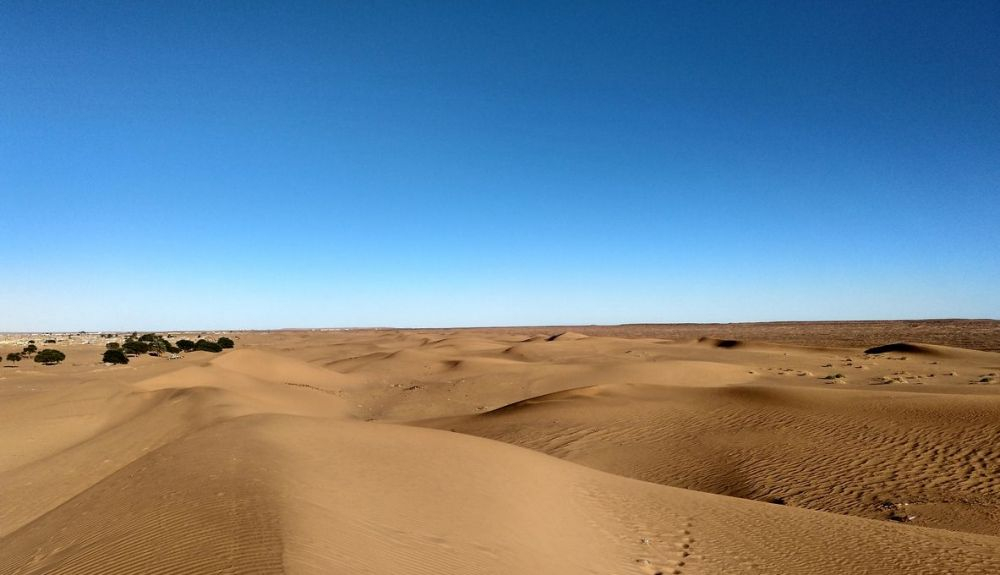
255 165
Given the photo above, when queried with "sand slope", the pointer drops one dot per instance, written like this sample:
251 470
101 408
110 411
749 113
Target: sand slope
338 453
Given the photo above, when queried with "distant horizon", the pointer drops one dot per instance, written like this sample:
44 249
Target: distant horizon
511 326
382 163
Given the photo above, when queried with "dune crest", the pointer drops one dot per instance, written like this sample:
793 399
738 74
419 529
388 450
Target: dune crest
566 336
902 347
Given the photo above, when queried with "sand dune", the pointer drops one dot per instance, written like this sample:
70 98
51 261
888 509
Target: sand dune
497 452
801 447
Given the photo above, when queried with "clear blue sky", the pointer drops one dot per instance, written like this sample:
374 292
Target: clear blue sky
169 165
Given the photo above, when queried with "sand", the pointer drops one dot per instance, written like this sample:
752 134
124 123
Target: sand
527 450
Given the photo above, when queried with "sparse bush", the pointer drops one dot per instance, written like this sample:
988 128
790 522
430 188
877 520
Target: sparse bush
115 356
113 345
185 344
13 357
226 343
49 341
206 345
50 356
29 349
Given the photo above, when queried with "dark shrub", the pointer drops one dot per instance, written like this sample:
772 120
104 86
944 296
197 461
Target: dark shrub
113 345
185 344
12 357
115 356
226 343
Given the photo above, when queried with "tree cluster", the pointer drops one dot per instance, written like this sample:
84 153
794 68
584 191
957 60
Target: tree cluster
28 351
206 344
154 344
151 343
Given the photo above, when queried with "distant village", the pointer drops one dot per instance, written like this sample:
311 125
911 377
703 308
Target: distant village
91 338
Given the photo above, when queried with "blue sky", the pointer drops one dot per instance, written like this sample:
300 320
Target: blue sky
255 165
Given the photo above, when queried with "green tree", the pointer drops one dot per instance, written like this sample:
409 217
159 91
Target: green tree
13 357
50 356
113 345
135 346
158 345
185 344
29 349
226 343
115 356
205 345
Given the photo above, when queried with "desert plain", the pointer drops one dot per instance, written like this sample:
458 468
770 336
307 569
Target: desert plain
812 448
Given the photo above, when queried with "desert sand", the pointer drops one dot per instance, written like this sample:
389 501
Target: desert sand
510 451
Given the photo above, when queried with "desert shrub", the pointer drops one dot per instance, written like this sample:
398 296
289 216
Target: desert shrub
226 343
206 345
149 337
13 357
50 356
29 349
115 356
185 344
113 345
49 341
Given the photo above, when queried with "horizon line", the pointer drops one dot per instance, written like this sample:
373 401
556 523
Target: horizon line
510 326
